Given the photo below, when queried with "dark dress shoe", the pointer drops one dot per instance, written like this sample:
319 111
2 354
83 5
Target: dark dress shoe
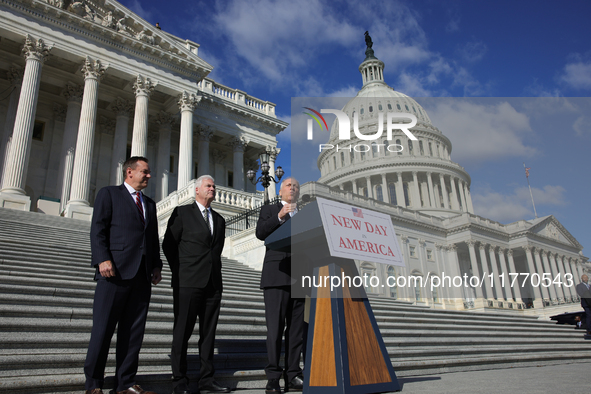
214 388
273 387
295 384
135 389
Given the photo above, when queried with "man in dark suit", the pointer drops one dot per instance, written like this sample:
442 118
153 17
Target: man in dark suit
193 245
281 310
585 295
126 254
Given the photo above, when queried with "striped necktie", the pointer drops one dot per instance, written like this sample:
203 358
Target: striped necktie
138 203
206 218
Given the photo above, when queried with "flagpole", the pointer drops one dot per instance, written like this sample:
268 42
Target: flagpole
530 193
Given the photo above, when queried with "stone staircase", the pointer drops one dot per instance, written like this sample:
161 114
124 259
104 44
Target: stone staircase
46 291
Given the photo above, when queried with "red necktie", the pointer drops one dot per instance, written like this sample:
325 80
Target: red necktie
138 202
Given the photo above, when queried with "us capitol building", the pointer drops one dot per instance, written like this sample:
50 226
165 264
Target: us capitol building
428 197
85 84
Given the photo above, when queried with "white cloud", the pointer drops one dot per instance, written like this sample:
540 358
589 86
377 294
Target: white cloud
480 132
136 7
473 51
577 75
582 125
516 205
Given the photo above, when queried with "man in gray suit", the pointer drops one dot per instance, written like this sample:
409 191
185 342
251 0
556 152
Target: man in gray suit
126 255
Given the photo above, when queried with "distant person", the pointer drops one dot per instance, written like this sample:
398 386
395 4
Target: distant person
158 26
126 255
578 322
193 245
584 292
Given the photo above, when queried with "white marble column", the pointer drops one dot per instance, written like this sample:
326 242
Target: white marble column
400 190
517 287
238 145
532 270
73 94
416 203
385 191
369 187
486 272
496 279
561 293
468 198
444 191
78 205
143 88
12 194
272 151
164 120
123 110
204 134
218 158
505 271
187 104
474 265
454 266
462 196
431 190
540 270
15 77
454 194
566 264
548 270
355 188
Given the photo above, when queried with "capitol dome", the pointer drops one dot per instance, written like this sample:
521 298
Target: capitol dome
418 175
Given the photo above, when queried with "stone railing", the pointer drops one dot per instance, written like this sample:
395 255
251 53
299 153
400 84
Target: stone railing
236 96
224 195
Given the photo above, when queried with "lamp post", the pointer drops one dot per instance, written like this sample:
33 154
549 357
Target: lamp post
265 179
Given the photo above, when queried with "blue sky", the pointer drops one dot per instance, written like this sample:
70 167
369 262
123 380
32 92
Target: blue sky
276 50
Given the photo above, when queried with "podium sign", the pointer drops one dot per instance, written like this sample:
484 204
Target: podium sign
356 233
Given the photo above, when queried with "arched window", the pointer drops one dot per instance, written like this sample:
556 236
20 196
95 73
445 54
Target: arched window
369 270
386 144
421 151
380 107
379 194
334 162
370 108
430 149
410 150
342 159
374 150
398 106
438 149
361 111
392 282
362 155
406 106
435 294
399 143
392 193
389 106
407 199
352 156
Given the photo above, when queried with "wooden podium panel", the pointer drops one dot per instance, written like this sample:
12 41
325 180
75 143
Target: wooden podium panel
345 353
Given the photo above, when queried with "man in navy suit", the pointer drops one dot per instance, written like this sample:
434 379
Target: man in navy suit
193 245
585 295
282 312
126 255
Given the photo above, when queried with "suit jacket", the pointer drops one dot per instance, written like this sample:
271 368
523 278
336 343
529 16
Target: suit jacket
118 234
276 265
192 253
584 294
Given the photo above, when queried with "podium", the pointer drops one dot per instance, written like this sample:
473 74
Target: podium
345 352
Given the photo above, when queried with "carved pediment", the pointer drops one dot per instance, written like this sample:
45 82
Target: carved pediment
118 23
551 228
